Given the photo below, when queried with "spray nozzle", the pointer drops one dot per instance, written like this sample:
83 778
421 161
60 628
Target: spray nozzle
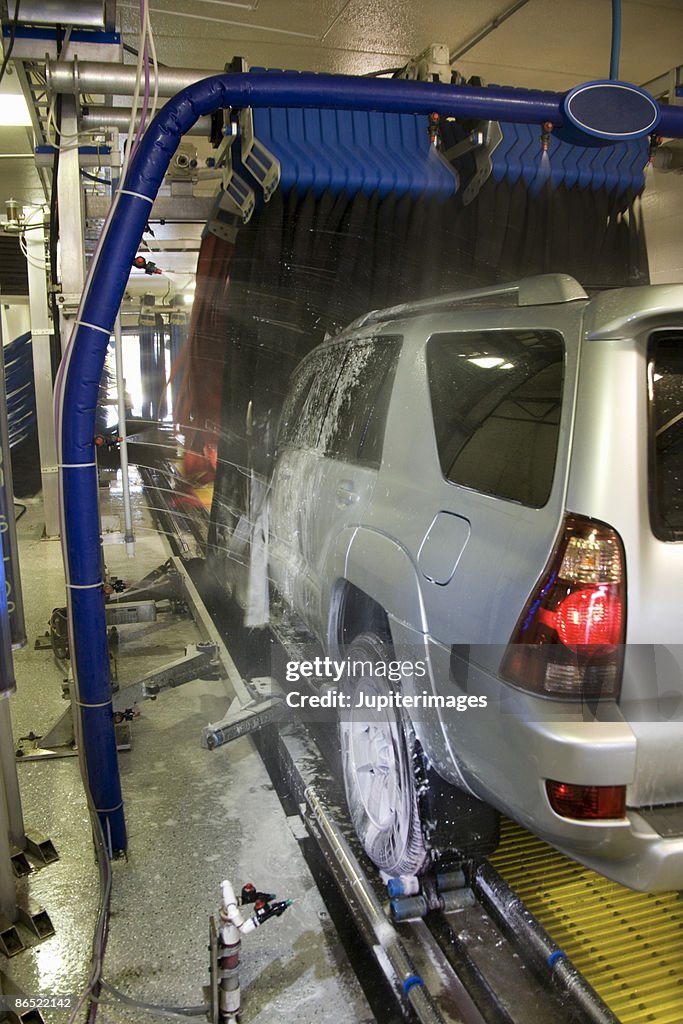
546 129
655 142
434 129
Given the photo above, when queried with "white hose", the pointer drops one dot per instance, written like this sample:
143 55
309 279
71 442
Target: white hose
129 535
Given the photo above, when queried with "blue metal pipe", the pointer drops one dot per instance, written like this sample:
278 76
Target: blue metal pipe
616 39
77 391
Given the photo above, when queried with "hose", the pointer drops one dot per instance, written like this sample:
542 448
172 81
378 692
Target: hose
616 39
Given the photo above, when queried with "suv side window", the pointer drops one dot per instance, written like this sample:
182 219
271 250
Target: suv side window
496 400
665 386
309 396
356 417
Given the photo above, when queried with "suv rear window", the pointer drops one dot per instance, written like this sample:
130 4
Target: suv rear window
665 394
496 400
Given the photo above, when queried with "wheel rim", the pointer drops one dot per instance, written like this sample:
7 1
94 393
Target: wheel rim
375 762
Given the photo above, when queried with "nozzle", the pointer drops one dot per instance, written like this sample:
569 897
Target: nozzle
434 129
547 128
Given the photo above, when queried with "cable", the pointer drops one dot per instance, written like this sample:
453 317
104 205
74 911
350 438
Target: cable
94 177
487 30
384 71
165 1011
10 45
616 39
19 505
53 232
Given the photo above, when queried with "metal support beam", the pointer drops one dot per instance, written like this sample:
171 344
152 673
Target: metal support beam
8 890
9 779
42 375
9 549
172 209
72 221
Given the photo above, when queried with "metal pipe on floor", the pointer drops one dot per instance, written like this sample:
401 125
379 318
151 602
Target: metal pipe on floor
10 779
386 935
509 909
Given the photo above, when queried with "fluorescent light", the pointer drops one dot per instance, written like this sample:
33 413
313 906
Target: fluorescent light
486 362
13 110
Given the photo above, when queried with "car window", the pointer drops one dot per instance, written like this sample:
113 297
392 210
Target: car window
665 386
308 398
496 400
356 417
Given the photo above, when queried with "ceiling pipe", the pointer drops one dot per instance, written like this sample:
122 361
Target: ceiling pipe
77 13
102 78
80 370
491 103
96 119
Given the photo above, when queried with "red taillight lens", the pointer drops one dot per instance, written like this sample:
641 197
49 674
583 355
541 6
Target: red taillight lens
586 803
587 617
568 641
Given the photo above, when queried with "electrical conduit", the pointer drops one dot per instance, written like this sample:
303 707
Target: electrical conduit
80 371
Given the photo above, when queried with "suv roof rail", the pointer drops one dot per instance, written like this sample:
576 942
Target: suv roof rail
544 289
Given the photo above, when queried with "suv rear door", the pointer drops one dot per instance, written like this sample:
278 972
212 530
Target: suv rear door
627 470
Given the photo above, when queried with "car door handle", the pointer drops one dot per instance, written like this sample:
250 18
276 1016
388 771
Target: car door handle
346 494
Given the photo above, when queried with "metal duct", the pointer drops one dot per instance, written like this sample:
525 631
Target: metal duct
101 78
77 14
104 118
81 368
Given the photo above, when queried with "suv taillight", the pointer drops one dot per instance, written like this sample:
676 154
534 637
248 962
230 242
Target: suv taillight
569 639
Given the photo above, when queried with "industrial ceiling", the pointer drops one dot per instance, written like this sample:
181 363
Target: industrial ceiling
547 44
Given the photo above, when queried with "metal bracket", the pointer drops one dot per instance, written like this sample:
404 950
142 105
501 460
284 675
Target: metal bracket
11 942
36 920
20 863
432 65
266 707
211 991
259 161
480 143
238 197
199 660
124 613
40 848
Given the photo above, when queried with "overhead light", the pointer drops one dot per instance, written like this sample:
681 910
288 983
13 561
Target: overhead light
486 362
14 111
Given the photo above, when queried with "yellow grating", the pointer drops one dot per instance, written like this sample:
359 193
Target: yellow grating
628 945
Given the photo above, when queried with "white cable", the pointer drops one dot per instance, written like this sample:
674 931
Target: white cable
136 96
155 63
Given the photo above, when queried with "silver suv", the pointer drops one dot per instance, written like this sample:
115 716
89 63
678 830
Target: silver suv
483 494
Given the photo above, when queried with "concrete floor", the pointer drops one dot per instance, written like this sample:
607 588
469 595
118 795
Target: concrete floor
193 818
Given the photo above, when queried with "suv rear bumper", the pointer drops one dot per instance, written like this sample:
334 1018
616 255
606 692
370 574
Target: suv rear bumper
506 751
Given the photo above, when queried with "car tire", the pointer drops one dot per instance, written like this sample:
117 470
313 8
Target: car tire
378 766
